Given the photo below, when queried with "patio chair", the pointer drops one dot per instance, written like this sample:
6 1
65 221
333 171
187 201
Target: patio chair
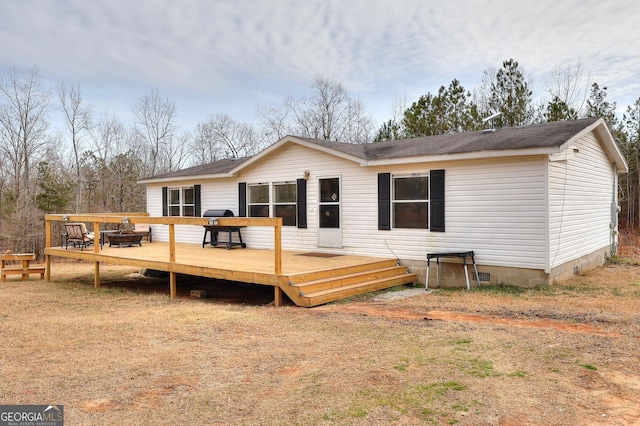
144 229
78 235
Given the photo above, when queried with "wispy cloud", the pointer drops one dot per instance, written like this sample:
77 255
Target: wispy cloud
233 51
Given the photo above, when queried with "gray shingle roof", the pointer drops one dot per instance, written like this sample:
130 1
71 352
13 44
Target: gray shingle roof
544 135
217 167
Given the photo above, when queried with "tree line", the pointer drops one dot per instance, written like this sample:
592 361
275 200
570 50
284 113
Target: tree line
93 162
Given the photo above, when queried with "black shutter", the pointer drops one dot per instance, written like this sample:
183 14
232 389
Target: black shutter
384 201
165 201
242 199
301 207
436 190
197 197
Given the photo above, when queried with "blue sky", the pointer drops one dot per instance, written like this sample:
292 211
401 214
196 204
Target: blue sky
218 56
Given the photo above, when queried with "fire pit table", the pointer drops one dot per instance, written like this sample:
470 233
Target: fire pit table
125 238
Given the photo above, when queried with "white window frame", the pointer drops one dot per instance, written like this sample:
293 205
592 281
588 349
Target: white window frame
251 203
293 203
181 204
395 202
271 204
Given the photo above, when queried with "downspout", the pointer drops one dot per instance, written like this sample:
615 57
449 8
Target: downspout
613 237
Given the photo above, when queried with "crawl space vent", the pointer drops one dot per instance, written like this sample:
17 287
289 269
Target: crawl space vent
483 277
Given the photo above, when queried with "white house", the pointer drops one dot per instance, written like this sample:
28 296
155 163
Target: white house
535 203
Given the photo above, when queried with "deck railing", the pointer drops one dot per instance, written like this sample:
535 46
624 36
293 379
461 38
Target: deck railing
170 221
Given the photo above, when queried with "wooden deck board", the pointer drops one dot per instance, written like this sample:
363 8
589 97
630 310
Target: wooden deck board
245 265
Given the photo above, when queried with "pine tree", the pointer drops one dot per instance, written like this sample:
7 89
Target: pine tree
511 96
558 110
450 111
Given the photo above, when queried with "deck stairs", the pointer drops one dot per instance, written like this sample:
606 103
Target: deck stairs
317 288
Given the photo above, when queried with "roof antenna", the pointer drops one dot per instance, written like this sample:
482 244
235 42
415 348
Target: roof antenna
490 119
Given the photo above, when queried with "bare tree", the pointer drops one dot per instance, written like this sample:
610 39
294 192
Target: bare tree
24 126
399 106
109 138
155 125
273 123
178 153
330 113
570 84
78 121
221 137
481 95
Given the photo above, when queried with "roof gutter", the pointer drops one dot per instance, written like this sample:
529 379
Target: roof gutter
462 156
186 178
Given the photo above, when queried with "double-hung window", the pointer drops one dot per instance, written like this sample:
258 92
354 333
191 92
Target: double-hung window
284 202
259 200
273 200
410 201
182 201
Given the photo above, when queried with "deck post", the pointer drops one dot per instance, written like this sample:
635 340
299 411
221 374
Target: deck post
96 275
96 237
172 259
277 296
47 243
277 240
172 243
172 284
96 249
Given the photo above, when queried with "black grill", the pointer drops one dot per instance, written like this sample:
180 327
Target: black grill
213 230
217 213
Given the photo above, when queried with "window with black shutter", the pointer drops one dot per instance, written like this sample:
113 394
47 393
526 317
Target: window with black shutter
181 201
413 201
301 200
242 199
384 201
437 200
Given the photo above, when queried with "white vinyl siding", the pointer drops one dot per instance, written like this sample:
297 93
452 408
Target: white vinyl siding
287 165
580 196
218 194
494 207
497 207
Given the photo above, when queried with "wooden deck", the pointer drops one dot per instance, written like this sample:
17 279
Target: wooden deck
307 278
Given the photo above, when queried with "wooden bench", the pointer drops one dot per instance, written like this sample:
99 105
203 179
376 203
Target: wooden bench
23 269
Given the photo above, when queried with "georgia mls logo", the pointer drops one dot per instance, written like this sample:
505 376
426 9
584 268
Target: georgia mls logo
31 415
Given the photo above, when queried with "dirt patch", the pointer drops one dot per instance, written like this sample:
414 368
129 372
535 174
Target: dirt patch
384 312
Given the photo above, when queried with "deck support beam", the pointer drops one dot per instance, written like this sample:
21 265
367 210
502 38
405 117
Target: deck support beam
277 296
172 284
96 275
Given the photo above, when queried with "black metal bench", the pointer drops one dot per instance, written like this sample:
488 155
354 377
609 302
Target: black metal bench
453 254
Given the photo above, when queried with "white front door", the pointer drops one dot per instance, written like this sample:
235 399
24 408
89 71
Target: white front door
329 213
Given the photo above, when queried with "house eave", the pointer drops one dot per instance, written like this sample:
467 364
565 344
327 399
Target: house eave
461 156
185 178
